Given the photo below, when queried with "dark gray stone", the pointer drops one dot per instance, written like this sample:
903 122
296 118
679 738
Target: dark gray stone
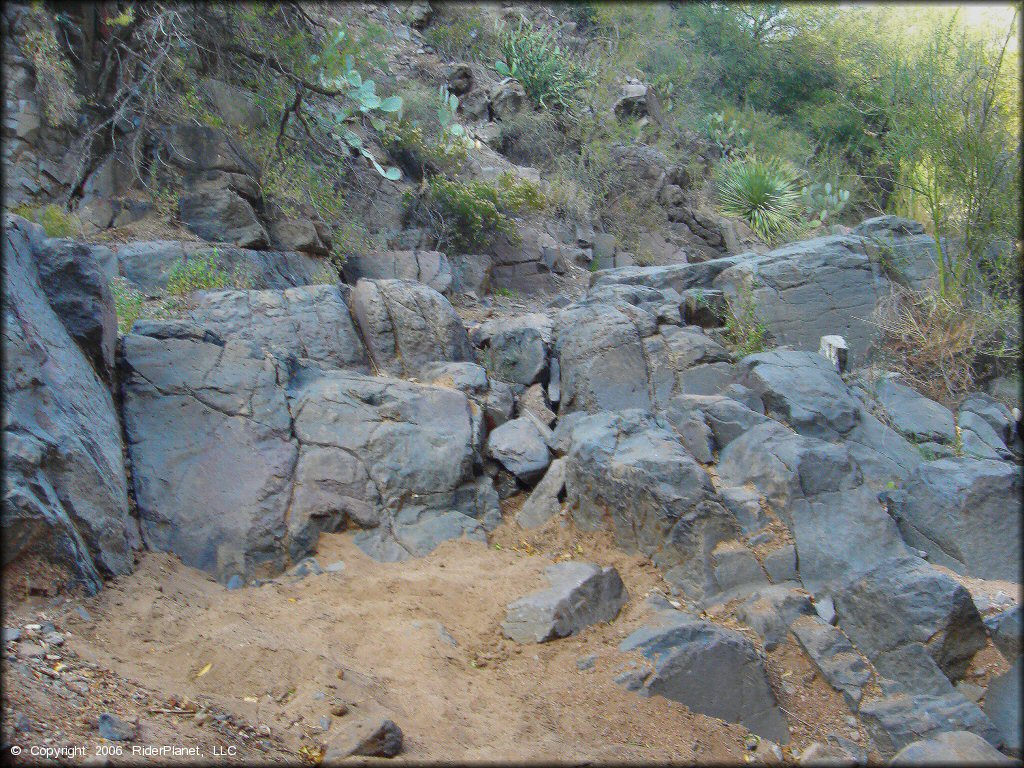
834 656
1002 705
914 415
521 448
780 564
515 349
546 499
899 719
712 670
223 216
581 594
365 737
429 267
770 610
113 728
956 510
1006 633
951 748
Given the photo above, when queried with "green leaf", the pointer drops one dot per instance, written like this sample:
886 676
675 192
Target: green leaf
392 174
355 78
350 62
353 139
457 130
391 104
377 123
369 101
502 68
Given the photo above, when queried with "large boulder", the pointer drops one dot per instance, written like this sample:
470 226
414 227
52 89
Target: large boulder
519 446
223 216
914 415
898 720
65 496
627 471
958 510
407 325
516 349
711 669
902 248
581 594
1002 705
311 322
428 267
904 601
951 748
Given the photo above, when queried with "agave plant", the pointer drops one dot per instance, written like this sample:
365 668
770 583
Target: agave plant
764 193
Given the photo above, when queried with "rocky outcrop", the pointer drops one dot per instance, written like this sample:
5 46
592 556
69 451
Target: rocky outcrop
428 267
951 748
65 497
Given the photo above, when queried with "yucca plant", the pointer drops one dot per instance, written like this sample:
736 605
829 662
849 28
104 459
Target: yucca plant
764 193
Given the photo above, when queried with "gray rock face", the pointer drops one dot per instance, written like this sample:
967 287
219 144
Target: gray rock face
957 511
905 600
834 655
581 594
626 471
727 418
803 390
805 290
406 325
1007 633
1002 705
901 246
678 277
770 611
428 267
992 412
898 720
515 350
471 274
223 216
545 501
310 322
76 283
147 264
951 748
519 446
711 669
914 415
65 496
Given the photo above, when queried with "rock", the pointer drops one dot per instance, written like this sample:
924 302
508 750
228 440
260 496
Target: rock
831 753
911 668
311 322
113 728
418 14
951 748
515 349
471 274
431 268
223 216
901 247
835 350
745 506
904 600
637 100
735 566
76 283
147 264
298 234
712 670
770 610
914 415
532 402
11 635
586 663
727 418
546 499
498 404
900 719
833 654
197 148
995 438
780 564
1002 705
955 510
406 325
581 594
235 106
626 470
367 736
1006 633
520 447
507 97
31 651
65 495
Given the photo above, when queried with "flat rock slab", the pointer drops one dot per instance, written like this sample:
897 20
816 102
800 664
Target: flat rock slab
914 415
581 594
711 669
545 501
364 737
834 655
952 748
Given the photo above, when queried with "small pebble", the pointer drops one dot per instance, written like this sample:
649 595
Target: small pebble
263 730
325 723
201 718
83 613
319 696
113 728
12 634
54 638
340 709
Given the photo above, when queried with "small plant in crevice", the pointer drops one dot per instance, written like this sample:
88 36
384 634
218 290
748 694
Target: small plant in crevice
745 332
763 193
198 273
128 303
55 220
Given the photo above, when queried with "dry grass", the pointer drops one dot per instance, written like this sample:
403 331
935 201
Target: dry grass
942 346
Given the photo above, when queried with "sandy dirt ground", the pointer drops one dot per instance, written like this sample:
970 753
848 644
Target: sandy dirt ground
266 670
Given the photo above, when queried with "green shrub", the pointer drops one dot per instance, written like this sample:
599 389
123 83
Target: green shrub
463 37
465 215
534 58
745 332
55 220
198 273
128 302
762 193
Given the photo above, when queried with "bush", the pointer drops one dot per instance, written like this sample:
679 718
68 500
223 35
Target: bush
54 220
128 303
198 273
762 193
546 72
463 37
466 215
745 332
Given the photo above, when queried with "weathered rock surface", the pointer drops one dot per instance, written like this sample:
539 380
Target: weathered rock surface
364 737
626 471
515 350
519 446
406 325
1002 705
581 594
957 510
900 719
834 655
771 610
914 415
65 496
428 267
951 748
546 499
711 669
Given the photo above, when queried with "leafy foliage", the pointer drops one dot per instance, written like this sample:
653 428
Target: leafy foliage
128 302
762 193
55 220
823 202
466 215
198 273
745 332
460 37
534 58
